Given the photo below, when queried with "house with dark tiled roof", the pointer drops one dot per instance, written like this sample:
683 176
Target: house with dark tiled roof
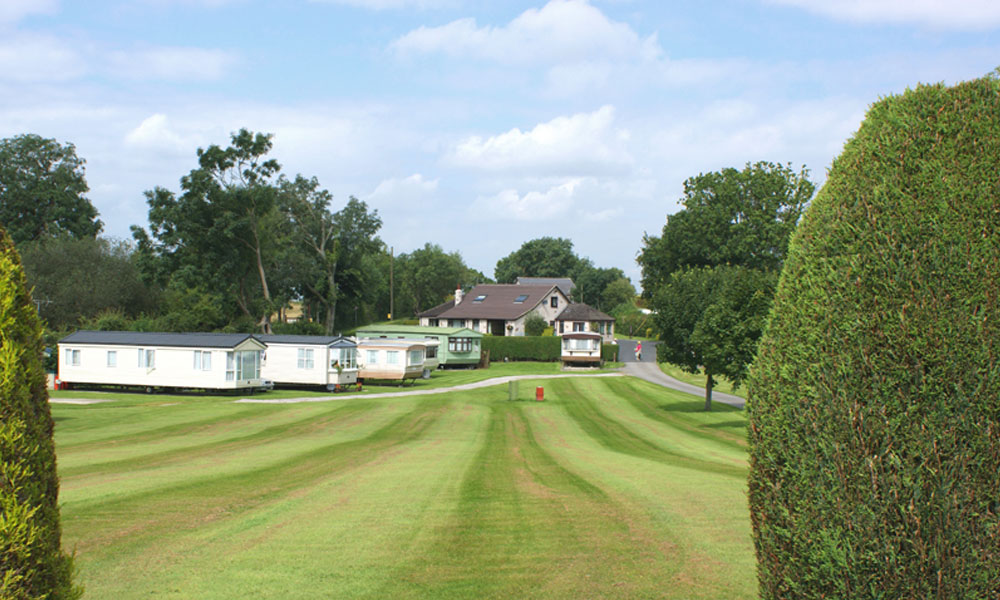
581 318
497 309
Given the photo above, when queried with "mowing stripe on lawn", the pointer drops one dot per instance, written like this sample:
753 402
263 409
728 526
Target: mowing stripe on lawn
526 527
619 438
337 536
196 500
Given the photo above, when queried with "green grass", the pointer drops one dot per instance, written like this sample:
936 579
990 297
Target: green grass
611 488
721 384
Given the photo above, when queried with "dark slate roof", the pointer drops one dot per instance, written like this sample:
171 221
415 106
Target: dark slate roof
499 301
582 312
138 338
565 284
437 310
335 341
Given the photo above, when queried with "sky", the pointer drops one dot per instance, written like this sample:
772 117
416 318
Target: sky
474 125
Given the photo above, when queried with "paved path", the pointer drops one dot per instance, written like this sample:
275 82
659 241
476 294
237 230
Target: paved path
441 390
648 370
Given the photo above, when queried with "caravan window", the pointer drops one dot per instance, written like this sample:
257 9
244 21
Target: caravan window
73 357
147 358
112 358
305 359
416 357
371 357
347 359
202 360
392 357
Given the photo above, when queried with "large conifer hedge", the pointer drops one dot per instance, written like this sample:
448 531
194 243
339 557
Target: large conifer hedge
32 566
875 396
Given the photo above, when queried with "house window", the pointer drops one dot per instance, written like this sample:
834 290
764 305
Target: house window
305 358
432 322
562 325
554 301
371 357
202 360
392 357
520 299
479 298
456 323
432 352
460 344
475 324
577 326
416 357
73 357
147 359
112 358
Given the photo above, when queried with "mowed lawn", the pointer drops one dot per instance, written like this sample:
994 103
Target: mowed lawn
611 488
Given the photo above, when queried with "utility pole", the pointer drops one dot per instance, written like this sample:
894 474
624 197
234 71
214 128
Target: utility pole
392 303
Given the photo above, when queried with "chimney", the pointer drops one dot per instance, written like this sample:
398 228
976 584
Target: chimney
458 295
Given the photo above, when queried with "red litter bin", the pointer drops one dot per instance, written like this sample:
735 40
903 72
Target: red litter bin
540 394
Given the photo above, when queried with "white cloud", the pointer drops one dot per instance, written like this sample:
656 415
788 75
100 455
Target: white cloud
533 206
30 57
12 11
406 190
561 31
172 63
935 14
154 133
581 144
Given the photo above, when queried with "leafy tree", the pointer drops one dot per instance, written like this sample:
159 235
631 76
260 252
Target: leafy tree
32 565
710 319
874 399
542 257
76 279
591 282
220 232
711 274
730 217
618 292
426 277
42 189
534 325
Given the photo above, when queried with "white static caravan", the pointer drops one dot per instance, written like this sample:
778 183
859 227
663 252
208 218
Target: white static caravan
390 359
582 347
329 361
211 361
431 345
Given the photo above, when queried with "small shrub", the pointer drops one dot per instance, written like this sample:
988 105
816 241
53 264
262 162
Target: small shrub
609 352
534 325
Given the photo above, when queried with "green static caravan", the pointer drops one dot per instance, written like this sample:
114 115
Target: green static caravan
458 346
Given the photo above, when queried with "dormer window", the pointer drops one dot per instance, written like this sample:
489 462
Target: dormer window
479 298
520 299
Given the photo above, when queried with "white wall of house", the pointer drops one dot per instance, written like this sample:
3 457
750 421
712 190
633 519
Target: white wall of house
156 366
306 364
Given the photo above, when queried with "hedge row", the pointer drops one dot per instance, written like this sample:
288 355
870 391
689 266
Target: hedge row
540 348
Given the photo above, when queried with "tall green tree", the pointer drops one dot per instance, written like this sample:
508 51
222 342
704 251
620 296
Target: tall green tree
32 564
541 257
221 231
711 273
42 187
76 279
426 277
333 244
730 217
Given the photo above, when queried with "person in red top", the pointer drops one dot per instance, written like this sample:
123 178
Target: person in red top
638 351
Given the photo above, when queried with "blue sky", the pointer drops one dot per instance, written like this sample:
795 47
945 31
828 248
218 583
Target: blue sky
474 125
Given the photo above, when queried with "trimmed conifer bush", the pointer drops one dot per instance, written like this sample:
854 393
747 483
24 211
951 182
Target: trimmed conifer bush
874 400
31 562
538 348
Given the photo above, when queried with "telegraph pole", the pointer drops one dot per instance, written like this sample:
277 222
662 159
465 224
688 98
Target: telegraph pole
392 305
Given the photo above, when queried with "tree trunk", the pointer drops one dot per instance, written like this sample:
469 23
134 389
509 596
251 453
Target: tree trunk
708 391
331 302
